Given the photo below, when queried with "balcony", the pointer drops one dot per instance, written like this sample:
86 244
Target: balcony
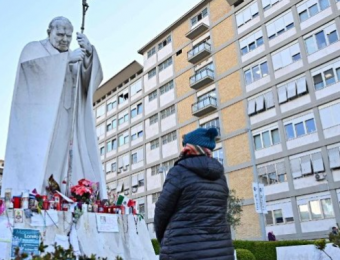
204 106
201 78
199 52
197 30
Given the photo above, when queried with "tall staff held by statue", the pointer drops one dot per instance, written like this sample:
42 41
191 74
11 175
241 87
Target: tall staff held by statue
75 106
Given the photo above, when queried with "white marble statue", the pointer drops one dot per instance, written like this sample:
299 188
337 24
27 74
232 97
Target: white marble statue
41 113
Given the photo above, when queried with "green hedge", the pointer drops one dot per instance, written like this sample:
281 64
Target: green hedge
266 250
262 250
244 254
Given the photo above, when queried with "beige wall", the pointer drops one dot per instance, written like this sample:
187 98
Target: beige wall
184 109
179 38
218 9
223 32
182 83
234 117
226 59
250 225
237 150
241 182
181 61
229 87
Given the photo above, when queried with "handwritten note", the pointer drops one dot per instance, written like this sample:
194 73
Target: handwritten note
107 223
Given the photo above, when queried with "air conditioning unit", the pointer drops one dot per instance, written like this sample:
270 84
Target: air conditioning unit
319 176
125 168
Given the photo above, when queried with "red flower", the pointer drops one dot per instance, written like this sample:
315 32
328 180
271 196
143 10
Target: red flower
84 182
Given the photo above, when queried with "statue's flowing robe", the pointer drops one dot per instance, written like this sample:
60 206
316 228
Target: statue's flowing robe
41 119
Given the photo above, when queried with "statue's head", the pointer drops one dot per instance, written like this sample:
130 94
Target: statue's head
59 33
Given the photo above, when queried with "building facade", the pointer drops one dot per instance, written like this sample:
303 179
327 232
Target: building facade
267 74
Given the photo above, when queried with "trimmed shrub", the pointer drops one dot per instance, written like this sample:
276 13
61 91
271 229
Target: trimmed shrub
244 254
266 250
156 246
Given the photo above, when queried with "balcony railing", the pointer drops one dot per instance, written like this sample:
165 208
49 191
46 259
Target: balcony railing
197 30
204 106
201 78
199 52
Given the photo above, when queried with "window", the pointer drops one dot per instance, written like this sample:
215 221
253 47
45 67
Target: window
280 25
316 209
278 217
100 111
334 158
154 144
155 197
213 123
141 208
137 156
272 174
137 110
205 96
111 124
267 4
307 165
123 139
256 72
134 158
151 52
165 64
166 166
167 87
297 129
327 76
168 112
269 218
123 117
310 8
111 145
164 43
152 73
292 90
321 39
136 87
267 138
152 95
111 105
274 217
153 119
100 130
251 42
122 97
169 137
102 150
330 116
114 167
218 155
260 103
155 170
199 17
286 57
247 14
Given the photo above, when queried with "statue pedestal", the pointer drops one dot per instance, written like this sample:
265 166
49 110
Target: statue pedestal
132 242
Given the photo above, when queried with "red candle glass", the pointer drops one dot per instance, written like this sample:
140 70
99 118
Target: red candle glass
17 202
46 205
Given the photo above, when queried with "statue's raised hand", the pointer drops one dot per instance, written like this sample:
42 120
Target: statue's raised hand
84 43
77 55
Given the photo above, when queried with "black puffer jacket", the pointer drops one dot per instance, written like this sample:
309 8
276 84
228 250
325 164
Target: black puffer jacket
190 214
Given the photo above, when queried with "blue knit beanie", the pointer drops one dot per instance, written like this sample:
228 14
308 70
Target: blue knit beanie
202 137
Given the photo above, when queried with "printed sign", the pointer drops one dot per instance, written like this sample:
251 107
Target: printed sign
27 240
259 198
107 222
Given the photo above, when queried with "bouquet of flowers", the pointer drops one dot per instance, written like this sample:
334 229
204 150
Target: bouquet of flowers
83 191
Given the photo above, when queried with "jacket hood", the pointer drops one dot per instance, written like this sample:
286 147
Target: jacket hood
205 167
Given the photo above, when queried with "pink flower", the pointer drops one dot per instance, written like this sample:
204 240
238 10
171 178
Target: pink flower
84 182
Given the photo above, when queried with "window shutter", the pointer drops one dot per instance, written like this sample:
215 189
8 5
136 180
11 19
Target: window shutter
141 176
306 165
282 92
247 15
271 168
334 158
265 3
294 49
280 168
261 170
301 86
126 184
239 19
296 168
279 24
317 162
120 162
269 99
120 187
271 29
251 107
277 62
108 167
291 90
140 156
254 9
288 18
330 29
260 103
134 181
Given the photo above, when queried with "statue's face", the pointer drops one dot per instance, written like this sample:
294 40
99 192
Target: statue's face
61 36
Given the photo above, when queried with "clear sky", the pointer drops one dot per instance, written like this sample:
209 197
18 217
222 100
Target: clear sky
118 28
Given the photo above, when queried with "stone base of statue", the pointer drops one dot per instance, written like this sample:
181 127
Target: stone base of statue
127 237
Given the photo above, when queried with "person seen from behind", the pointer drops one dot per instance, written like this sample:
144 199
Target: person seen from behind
190 214
271 236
